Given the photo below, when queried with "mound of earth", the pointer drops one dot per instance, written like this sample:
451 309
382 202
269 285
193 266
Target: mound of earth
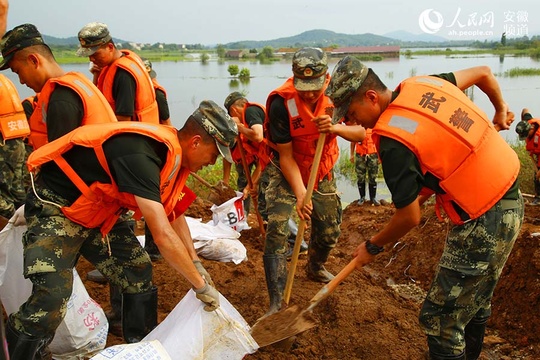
374 313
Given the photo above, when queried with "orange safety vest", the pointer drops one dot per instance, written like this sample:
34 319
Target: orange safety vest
32 100
305 134
96 109
453 140
251 148
101 204
13 123
366 146
157 86
532 145
146 109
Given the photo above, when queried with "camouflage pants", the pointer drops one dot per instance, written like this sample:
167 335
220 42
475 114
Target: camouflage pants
12 193
281 203
242 182
52 245
471 264
366 165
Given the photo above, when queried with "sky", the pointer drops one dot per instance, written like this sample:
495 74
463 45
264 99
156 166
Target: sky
211 22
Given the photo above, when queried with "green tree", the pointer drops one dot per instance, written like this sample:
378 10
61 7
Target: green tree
268 52
244 73
220 51
503 39
204 58
233 70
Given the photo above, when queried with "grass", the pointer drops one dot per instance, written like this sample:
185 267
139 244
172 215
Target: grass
515 72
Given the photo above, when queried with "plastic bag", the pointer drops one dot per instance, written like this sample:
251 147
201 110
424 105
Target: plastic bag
231 213
143 350
84 328
189 332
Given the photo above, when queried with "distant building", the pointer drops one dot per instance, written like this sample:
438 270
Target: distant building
384 51
235 54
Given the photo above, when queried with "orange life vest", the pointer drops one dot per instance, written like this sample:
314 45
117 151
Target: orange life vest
367 146
32 100
157 86
304 133
146 109
532 145
454 141
251 148
96 109
101 204
13 123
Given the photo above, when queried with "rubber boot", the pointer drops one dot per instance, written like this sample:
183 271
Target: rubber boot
434 356
362 192
26 347
315 270
139 315
474 338
114 316
373 194
275 269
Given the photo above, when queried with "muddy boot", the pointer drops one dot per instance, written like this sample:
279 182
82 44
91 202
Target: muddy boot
474 338
275 269
114 316
434 356
26 347
139 315
362 192
315 266
372 194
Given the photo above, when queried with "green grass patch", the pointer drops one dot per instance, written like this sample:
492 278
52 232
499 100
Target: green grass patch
515 72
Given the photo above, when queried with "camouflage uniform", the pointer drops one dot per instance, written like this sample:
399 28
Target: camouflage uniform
471 264
52 246
366 164
281 202
12 193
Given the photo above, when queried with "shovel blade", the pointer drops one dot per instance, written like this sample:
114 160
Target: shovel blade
282 325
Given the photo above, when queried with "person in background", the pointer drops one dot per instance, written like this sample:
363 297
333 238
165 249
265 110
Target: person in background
119 74
105 169
28 104
297 112
432 139
528 130
366 162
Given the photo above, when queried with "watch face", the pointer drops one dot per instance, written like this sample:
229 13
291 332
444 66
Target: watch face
373 249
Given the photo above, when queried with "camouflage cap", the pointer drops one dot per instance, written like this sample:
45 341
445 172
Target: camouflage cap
18 38
309 65
219 125
346 79
522 129
91 37
231 99
148 65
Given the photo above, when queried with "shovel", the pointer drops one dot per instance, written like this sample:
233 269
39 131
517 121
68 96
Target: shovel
293 320
220 192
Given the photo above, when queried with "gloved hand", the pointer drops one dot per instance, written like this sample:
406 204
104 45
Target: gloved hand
203 272
208 295
18 218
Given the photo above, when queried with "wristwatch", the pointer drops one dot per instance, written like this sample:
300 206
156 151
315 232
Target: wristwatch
373 249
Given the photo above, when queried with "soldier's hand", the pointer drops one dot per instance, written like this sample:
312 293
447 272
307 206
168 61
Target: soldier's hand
208 295
202 271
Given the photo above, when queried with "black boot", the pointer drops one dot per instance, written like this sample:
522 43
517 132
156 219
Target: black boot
139 315
362 192
474 338
275 269
114 316
26 347
434 356
373 194
315 266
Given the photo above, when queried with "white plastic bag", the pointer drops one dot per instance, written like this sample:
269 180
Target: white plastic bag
231 213
143 350
84 328
190 333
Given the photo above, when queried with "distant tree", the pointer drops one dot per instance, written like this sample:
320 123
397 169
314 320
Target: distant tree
253 51
204 58
244 73
220 51
233 70
503 39
268 52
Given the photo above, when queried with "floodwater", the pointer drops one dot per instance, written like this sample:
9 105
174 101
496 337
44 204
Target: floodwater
188 83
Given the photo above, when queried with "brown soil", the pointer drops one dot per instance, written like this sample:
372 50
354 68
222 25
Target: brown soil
373 314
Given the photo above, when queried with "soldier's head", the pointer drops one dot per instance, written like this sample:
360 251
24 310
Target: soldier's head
95 42
234 103
310 68
522 129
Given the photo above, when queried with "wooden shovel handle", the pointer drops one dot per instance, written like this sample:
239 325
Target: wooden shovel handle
204 182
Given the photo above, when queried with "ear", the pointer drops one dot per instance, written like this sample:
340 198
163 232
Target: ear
371 96
195 141
33 60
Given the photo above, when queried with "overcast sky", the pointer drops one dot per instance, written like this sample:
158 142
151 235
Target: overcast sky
221 21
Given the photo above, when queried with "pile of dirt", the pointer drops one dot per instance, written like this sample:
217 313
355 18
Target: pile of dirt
374 313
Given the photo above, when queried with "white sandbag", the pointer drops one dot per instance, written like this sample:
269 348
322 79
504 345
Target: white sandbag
143 350
189 332
84 328
231 213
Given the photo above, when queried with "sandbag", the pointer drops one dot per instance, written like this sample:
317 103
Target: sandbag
190 332
84 328
143 350
231 213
